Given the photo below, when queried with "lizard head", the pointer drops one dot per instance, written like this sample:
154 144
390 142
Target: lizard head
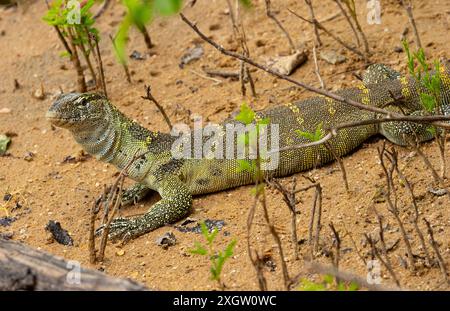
77 110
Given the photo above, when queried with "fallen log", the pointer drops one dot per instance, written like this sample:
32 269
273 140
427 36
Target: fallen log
25 268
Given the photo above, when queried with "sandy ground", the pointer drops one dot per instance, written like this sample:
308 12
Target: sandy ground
48 189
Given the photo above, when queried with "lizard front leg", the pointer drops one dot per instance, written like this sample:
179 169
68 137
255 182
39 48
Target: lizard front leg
134 194
175 204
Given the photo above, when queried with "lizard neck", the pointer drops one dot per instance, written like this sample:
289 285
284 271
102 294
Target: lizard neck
101 139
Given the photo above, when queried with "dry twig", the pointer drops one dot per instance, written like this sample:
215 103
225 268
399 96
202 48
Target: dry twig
271 15
150 97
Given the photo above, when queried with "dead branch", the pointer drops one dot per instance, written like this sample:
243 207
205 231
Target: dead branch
347 233
289 199
415 221
98 59
435 247
25 268
337 254
349 21
81 82
102 9
150 97
391 196
317 70
124 64
378 256
408 8
315 22
222 74
337 39
340 163
351 7
239 34
272 16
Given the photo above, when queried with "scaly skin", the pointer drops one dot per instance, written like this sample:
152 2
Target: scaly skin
106 133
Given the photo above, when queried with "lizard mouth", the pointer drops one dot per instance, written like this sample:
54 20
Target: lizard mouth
55 119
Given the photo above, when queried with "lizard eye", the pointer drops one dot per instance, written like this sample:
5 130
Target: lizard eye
83 103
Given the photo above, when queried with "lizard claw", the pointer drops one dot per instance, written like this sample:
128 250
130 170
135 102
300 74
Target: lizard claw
119 229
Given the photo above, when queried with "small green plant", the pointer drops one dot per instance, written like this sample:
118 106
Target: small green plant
422 73
217 258
139 14
247 116
312 136
327 284
74 25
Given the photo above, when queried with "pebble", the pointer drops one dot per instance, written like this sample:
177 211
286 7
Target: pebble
5 110
39 94
332 57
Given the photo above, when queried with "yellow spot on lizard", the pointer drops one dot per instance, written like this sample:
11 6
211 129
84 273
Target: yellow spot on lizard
364 94
444 76
405 87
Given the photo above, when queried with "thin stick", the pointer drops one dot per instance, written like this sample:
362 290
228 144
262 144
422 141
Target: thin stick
272 16
412 21
347 233
222 74
349 21
289 199
150 97
351 7
147 39
216 81
340 163
87 58
392 206
337 39
318 199
98 59
124 64
337 255
435 247
317 70
377 254
102 9
81 82
419 233
315 22
92 255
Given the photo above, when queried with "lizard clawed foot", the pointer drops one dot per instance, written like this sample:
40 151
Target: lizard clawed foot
123 229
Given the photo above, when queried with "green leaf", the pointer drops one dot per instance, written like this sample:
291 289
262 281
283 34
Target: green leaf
229 249
204 230
198 250
246 165
212 236
353 287
428 101
432 130
168 7
316 136
246 115
4 142
307 285
246 3
328 278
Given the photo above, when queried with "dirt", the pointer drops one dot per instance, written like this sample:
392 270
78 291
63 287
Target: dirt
46 189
